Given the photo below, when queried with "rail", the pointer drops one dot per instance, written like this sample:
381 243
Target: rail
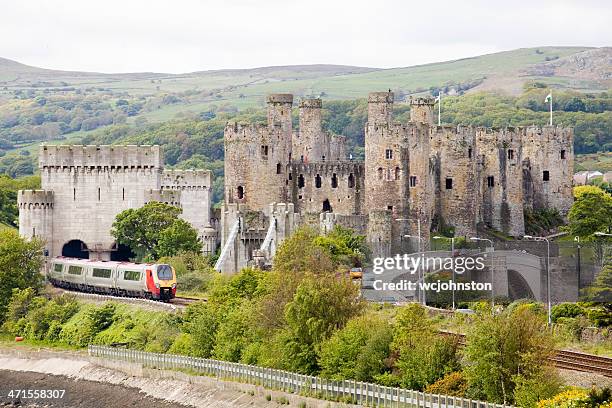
357 392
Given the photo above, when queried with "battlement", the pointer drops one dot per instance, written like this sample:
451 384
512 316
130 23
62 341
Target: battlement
311 103
325 168
422 100
27 199
186 179
171 197
380 97
280 98
92 156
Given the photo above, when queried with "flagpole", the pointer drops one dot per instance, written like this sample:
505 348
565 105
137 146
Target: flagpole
551 108
439 106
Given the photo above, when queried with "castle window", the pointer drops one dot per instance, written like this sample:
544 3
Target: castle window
351 180
510 154
240 192
290 176
413 181
397 173
300 181
99 194
278 168
323 157
74 194
334 181
380 173
470 153
302 158
318 181
264 151
490 181
390 207
562 154
123 193
388 154
545 175
449 183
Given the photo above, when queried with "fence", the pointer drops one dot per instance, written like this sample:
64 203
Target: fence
345 390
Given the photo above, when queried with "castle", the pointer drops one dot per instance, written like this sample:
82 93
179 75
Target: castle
85 187
416 177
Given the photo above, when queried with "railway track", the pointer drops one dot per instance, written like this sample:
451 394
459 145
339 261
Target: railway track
567 359
185 301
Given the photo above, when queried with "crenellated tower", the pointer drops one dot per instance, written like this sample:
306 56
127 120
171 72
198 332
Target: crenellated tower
421 110
36 216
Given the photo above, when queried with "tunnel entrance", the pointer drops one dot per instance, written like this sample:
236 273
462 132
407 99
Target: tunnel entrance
75 249
122 253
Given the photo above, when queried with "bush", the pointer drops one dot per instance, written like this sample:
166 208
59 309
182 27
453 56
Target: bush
453 384
531 389
566 310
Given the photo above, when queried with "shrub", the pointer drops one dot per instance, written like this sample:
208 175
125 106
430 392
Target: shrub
566 310
453 384
531 389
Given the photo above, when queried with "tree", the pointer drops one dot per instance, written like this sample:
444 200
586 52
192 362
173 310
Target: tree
358 350
507 350
320 306
591 212
155 230
20 263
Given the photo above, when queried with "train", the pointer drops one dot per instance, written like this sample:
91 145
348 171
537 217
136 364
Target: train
145 280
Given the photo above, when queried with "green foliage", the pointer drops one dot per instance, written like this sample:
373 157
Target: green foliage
344 247
194 272
539 222
320 306
358 350
20 264
9 212
591 211
566 310
514 346
299 254
452 384
601 289
424 355
541 385
155 230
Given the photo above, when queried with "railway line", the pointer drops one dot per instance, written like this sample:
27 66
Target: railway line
567 359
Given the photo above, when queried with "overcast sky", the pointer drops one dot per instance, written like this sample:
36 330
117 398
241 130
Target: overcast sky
190 35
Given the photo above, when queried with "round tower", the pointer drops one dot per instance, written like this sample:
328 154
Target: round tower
380 107
309 146
421 109
36 216
279 110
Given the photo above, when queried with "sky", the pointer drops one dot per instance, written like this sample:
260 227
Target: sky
190 35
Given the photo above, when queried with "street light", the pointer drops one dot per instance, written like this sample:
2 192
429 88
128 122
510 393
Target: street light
547 270
452 239
419 238
492 270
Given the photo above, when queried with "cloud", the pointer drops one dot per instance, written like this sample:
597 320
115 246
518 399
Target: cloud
189 35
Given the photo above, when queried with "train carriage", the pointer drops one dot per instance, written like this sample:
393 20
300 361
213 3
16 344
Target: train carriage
149 280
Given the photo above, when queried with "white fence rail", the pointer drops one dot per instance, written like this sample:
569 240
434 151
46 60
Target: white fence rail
342 390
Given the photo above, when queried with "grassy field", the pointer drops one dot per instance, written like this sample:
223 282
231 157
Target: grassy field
594 161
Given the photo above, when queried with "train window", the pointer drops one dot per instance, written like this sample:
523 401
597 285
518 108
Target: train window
101 273
57 267
131 275
75 270
164 272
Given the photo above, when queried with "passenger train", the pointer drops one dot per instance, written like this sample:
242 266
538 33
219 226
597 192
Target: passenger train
146 280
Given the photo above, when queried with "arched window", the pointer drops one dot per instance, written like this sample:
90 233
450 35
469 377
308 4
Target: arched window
240 192
318 181
397 173
301 181
380 173
334 181
351 181
278 168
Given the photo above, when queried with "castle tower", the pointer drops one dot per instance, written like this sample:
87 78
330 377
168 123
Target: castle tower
386 171
36 216
380 107
308 144
279 110
421 110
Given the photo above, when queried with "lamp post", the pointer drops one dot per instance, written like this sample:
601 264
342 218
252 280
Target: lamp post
492 270
420 292
452 239
547 270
